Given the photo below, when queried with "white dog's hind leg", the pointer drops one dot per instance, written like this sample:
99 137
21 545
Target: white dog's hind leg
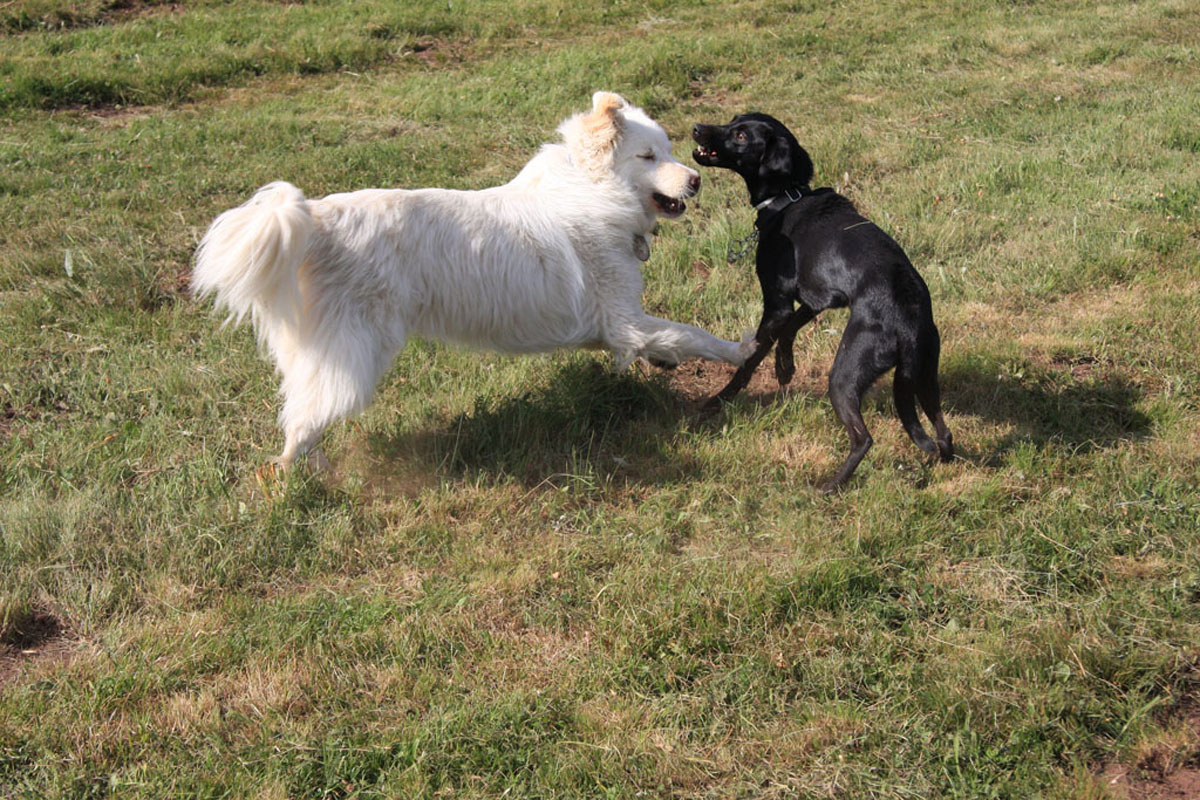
326 385
310 405
664 341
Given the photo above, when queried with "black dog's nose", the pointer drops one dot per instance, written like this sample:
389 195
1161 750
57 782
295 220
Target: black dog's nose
696 131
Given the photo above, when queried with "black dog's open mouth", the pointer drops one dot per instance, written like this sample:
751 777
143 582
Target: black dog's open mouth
704 155
668 206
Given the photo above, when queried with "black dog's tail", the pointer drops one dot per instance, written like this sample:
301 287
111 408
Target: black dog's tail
916 379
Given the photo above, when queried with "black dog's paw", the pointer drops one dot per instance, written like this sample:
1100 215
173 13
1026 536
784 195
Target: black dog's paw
784 371
927 446
712 406
832 487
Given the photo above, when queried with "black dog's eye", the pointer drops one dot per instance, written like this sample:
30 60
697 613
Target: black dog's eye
739 136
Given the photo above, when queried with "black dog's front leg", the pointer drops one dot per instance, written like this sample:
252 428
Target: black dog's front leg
774 322
785 365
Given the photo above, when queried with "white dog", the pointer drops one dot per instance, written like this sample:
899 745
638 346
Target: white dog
549 260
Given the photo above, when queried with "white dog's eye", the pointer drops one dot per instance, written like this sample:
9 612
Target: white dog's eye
647 156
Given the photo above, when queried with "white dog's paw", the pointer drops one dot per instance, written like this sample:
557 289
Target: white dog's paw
622 359
744 348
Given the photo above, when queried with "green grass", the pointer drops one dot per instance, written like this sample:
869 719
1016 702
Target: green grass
533 577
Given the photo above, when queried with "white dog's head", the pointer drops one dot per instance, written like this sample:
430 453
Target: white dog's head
617 139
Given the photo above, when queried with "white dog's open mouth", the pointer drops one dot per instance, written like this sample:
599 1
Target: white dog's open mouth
668 206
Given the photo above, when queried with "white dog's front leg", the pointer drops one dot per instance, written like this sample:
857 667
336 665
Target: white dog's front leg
666 342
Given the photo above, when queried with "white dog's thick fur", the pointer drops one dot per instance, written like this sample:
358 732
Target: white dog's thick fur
549 260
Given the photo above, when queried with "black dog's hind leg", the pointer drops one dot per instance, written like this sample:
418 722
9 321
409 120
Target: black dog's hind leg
917 379
926 390
904 392
785 365
856 367
930 396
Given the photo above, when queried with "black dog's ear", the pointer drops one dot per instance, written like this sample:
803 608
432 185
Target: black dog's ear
777 156
784 156
802 169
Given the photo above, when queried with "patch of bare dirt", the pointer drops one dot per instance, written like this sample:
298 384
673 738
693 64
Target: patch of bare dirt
696 381
1081 367
1167 768
14 418
35 642
84 15
1137 784
124 9
8 420
434 52
112 116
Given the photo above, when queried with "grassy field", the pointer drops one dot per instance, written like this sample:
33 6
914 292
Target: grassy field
532 577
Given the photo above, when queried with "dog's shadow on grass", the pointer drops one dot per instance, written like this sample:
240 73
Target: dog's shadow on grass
1077 404
584 422
1070 404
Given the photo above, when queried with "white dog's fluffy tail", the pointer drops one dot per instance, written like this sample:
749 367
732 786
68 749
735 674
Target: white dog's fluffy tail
250 256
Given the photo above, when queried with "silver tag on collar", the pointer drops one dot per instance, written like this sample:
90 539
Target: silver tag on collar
641 247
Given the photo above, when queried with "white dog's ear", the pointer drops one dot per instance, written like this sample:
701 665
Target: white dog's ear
591 138
606 102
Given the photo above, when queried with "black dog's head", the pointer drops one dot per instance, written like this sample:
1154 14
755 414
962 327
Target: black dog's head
759 148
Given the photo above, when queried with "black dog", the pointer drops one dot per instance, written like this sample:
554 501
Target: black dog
815 249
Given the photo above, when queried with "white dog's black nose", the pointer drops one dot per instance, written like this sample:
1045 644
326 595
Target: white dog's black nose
694 183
